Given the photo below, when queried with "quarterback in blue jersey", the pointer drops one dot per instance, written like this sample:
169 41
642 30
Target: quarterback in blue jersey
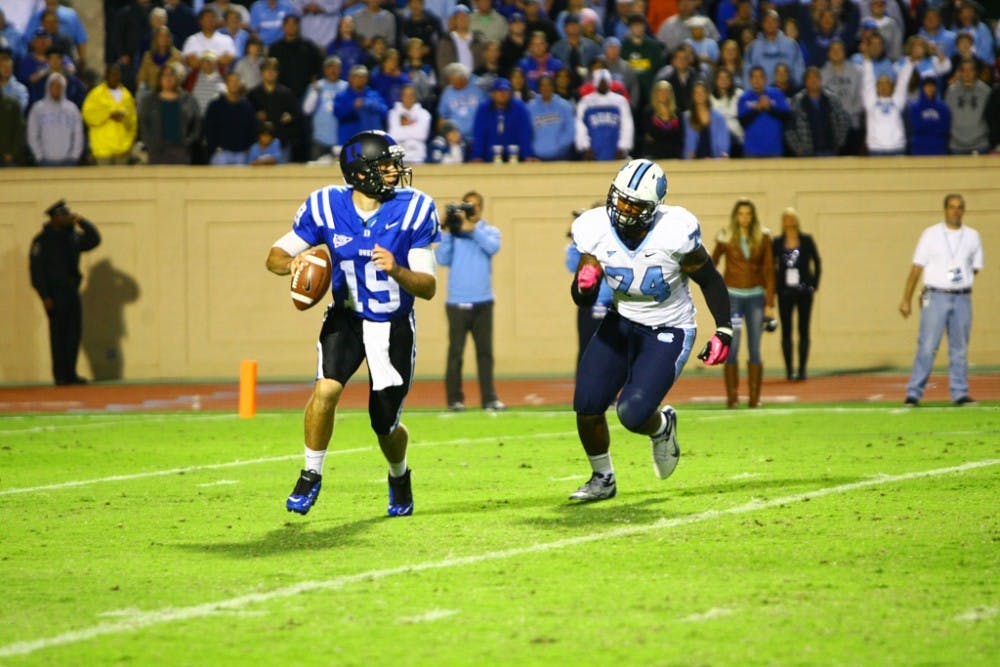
647 252
378 232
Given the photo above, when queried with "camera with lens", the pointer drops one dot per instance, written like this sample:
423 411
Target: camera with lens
453 215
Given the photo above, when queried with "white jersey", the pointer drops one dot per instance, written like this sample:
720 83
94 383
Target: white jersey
648 285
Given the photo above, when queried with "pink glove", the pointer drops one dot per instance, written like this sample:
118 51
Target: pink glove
588 277
716 350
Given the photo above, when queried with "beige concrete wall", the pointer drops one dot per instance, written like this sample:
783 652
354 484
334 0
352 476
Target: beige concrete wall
178 288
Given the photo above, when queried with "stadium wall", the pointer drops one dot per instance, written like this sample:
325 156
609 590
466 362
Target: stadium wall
178 287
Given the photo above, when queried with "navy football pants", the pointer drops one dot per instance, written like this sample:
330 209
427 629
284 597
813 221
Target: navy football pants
640 362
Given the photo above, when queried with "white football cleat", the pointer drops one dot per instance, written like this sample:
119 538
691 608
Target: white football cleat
666 452
598 487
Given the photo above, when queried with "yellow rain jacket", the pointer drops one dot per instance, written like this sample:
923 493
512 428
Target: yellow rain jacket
108 137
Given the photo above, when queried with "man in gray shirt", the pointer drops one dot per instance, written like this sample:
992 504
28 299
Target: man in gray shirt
966 98
375 21
843 79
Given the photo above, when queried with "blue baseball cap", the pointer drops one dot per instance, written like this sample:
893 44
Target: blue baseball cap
502 84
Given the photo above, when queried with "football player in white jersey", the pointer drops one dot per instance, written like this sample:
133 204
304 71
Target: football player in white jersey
647 251
379 234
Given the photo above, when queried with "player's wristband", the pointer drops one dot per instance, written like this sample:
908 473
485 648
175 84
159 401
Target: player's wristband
579 298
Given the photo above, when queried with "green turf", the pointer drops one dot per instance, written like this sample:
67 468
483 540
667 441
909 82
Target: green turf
786 537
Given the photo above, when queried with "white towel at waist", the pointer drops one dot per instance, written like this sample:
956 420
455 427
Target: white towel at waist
376 339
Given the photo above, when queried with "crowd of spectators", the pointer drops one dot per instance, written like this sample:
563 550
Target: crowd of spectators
277 81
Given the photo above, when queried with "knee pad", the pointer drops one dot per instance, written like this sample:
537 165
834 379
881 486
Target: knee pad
633 411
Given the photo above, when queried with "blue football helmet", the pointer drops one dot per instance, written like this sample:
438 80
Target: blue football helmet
364 158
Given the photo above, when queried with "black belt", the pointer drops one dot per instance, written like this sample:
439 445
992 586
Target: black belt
967 290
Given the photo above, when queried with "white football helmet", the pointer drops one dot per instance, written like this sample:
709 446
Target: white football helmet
635 193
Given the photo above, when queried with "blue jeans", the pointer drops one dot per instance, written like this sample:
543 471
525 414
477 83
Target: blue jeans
940 311
748 312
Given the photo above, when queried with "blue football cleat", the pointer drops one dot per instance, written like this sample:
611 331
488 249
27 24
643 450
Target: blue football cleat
306 491
400 495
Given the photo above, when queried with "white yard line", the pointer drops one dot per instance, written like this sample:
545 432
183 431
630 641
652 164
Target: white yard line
700 415
428 616
127 419
270 459
160 473
693 415
977 614
714 612
156 617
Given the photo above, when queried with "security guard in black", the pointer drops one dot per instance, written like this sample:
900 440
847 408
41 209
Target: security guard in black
55 275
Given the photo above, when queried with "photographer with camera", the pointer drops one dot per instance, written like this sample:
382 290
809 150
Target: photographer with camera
55 275
467 248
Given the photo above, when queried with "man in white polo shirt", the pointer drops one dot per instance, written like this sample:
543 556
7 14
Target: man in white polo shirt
209 39
948 255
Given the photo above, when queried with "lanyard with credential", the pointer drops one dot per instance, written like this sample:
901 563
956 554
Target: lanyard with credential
958 246
955 270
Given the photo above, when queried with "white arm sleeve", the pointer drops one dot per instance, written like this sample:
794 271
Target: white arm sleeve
312 99
291 243
421 260
902 81
869 95
626 138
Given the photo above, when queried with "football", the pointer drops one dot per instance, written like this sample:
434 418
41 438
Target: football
312 280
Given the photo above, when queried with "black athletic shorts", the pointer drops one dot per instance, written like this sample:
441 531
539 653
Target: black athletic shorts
341 349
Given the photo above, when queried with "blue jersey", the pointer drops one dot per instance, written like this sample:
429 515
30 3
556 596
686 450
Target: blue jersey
408 220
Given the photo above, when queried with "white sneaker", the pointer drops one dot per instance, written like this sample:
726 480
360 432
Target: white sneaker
598 487
666 453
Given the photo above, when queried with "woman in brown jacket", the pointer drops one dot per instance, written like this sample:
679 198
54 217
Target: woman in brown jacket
749 275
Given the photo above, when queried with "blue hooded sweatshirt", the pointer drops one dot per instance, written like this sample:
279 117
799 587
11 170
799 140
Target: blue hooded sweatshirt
929 122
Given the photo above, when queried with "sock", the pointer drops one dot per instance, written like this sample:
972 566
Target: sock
602 464
314 460
664 424
398 469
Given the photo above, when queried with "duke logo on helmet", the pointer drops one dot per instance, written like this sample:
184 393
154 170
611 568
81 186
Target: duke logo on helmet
637 190
367 158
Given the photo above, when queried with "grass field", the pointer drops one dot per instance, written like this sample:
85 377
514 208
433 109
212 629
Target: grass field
823 535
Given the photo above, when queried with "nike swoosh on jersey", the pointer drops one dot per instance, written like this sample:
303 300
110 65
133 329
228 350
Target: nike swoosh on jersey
391 225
